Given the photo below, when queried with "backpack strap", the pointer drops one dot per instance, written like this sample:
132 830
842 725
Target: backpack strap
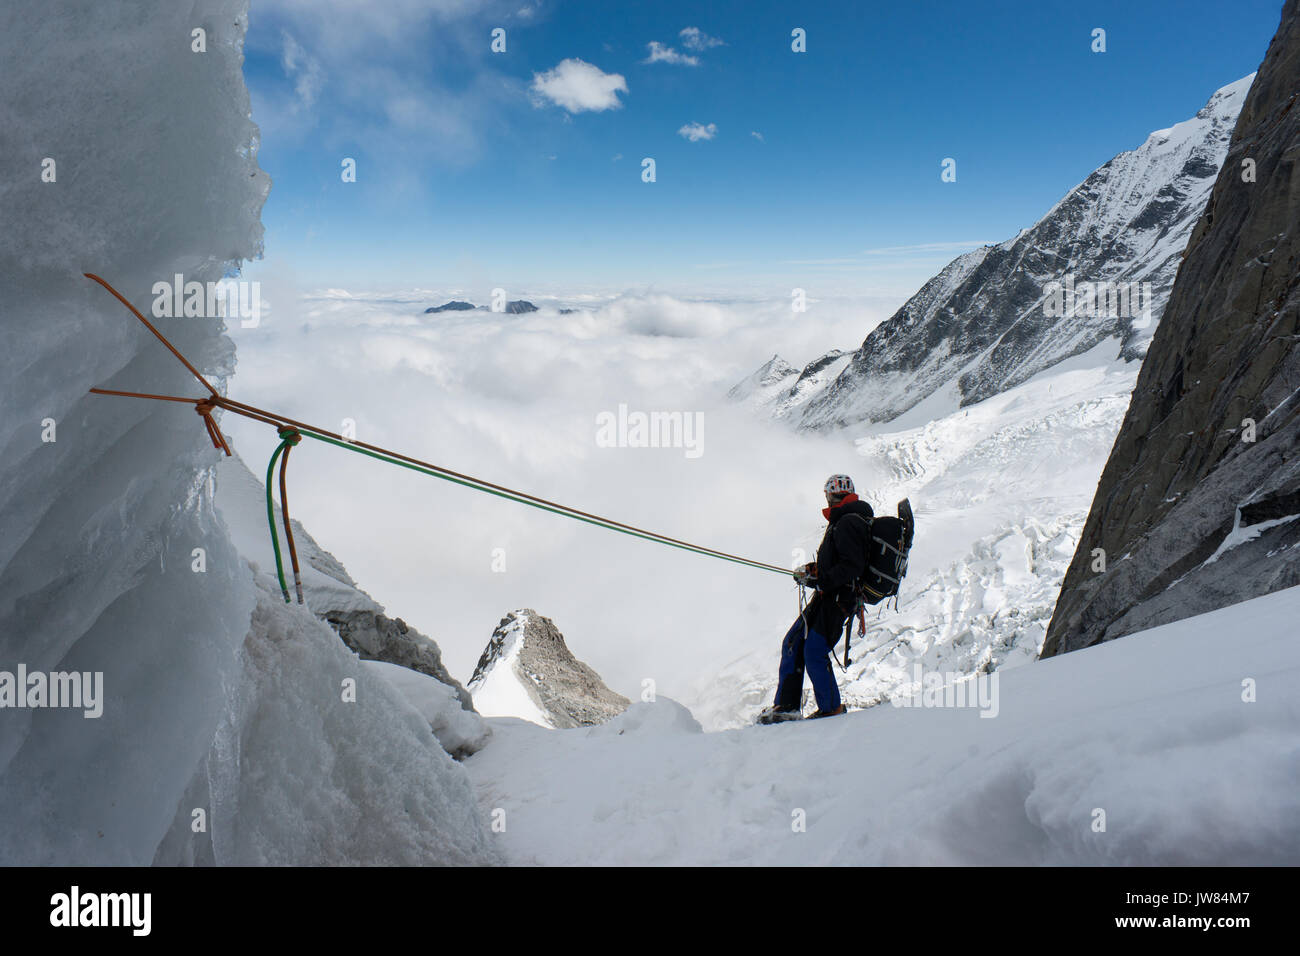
885 545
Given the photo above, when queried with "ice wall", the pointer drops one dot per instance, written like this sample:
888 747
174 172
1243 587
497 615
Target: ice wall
154 173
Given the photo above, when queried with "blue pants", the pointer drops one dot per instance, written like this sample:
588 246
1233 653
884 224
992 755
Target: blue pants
811 653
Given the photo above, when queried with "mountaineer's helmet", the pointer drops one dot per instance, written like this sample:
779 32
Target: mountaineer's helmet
839 485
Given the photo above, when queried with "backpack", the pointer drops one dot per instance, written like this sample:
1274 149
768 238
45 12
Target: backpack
891 539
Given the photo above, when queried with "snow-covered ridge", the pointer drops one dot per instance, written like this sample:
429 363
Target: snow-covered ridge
982 324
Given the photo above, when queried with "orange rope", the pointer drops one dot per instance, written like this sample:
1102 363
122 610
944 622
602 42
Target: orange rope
149 325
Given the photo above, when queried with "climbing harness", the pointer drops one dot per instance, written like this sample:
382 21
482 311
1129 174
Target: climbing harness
858 613
291 433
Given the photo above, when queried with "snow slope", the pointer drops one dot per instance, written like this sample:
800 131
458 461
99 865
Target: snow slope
1150 737
1000 490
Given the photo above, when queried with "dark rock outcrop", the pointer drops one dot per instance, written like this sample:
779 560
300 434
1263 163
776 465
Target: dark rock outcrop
376 637
513 307
453 306
529 649
1193 511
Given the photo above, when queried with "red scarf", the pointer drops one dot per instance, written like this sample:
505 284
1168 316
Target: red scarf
826 512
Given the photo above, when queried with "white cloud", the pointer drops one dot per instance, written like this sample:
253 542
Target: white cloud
666 54
518 397
303 69
757 135
577 86
697 131
694 39
657 314
349 25
387 102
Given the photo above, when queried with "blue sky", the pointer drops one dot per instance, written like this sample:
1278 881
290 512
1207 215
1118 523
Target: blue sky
523 169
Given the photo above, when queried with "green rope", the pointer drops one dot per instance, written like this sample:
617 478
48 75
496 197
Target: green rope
270 517
509 497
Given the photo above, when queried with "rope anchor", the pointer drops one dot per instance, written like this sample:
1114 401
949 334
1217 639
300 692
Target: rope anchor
291 433
289 437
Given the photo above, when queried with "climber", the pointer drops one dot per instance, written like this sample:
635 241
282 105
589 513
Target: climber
841 560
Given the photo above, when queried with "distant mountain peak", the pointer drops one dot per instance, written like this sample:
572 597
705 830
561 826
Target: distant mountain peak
514 307
528 671
770 376
987 322
455 305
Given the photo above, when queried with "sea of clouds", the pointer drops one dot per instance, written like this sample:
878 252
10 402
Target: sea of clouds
515 399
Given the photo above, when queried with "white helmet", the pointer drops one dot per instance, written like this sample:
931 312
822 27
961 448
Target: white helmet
839 485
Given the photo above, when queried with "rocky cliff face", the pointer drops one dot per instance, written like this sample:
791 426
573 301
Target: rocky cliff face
1199 503
998 315
528 671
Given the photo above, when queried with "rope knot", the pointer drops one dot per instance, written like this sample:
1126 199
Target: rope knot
291 435
205 407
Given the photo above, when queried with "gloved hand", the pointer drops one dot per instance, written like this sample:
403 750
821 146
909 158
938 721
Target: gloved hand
807 575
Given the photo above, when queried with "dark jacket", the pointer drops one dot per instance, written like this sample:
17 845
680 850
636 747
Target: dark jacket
842 555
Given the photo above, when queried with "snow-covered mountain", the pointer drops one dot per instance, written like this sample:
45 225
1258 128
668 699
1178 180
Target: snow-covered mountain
780 388
1199 504
528 671
998 315
761 385
233 728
